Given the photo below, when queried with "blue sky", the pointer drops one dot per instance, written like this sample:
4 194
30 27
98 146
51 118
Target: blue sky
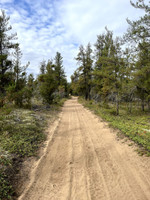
47 26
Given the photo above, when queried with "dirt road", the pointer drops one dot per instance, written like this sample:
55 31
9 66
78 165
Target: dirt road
85 161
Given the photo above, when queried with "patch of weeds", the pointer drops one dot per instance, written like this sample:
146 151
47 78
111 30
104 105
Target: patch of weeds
6 190
21 134
22 138
131 144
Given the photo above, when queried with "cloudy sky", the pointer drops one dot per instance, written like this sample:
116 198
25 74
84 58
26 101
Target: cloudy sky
47 26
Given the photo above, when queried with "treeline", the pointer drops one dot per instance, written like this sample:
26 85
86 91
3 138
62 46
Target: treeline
118 69
15 85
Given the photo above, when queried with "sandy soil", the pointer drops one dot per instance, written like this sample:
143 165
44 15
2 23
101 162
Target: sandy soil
83 160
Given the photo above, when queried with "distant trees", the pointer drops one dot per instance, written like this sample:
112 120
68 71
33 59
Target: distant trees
15 85
84 59
52 80
47 84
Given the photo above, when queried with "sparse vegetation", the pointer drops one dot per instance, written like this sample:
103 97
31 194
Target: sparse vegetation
21 133
134 125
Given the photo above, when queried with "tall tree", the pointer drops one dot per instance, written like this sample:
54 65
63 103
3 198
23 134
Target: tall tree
107 72
18 90
6 45
59 71
47 83
142 74
139 33
84 59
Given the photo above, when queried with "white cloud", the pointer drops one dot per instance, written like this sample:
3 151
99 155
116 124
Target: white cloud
45 27
6 1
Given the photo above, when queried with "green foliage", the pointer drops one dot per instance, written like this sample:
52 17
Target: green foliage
6 46
82 78
52 83
21 97
60 77
21 138
21 132
139 29
47 86
6 190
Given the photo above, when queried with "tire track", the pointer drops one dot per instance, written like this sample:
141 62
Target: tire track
119 175
84 161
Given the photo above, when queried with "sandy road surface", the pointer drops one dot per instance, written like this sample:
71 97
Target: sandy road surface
84 161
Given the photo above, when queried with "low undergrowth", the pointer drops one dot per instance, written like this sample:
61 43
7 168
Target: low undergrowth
21 134
135 126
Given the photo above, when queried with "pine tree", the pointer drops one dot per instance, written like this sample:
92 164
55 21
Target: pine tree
47 83
142 74
59 71
140 29
18 90
43 67
6 45
139 32
107 72
84 59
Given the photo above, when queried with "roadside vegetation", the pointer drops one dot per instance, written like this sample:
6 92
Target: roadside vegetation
135 125
22 132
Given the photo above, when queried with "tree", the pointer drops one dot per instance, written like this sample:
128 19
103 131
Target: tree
76 84
59 71
139 32
108 68
142 74
47 83
140 28
84 59
43 67
6 46
18 90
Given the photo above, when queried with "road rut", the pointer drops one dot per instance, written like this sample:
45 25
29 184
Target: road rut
85 161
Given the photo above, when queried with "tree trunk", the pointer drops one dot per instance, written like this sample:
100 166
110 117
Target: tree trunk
117 105
148 104
130 106
142 104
